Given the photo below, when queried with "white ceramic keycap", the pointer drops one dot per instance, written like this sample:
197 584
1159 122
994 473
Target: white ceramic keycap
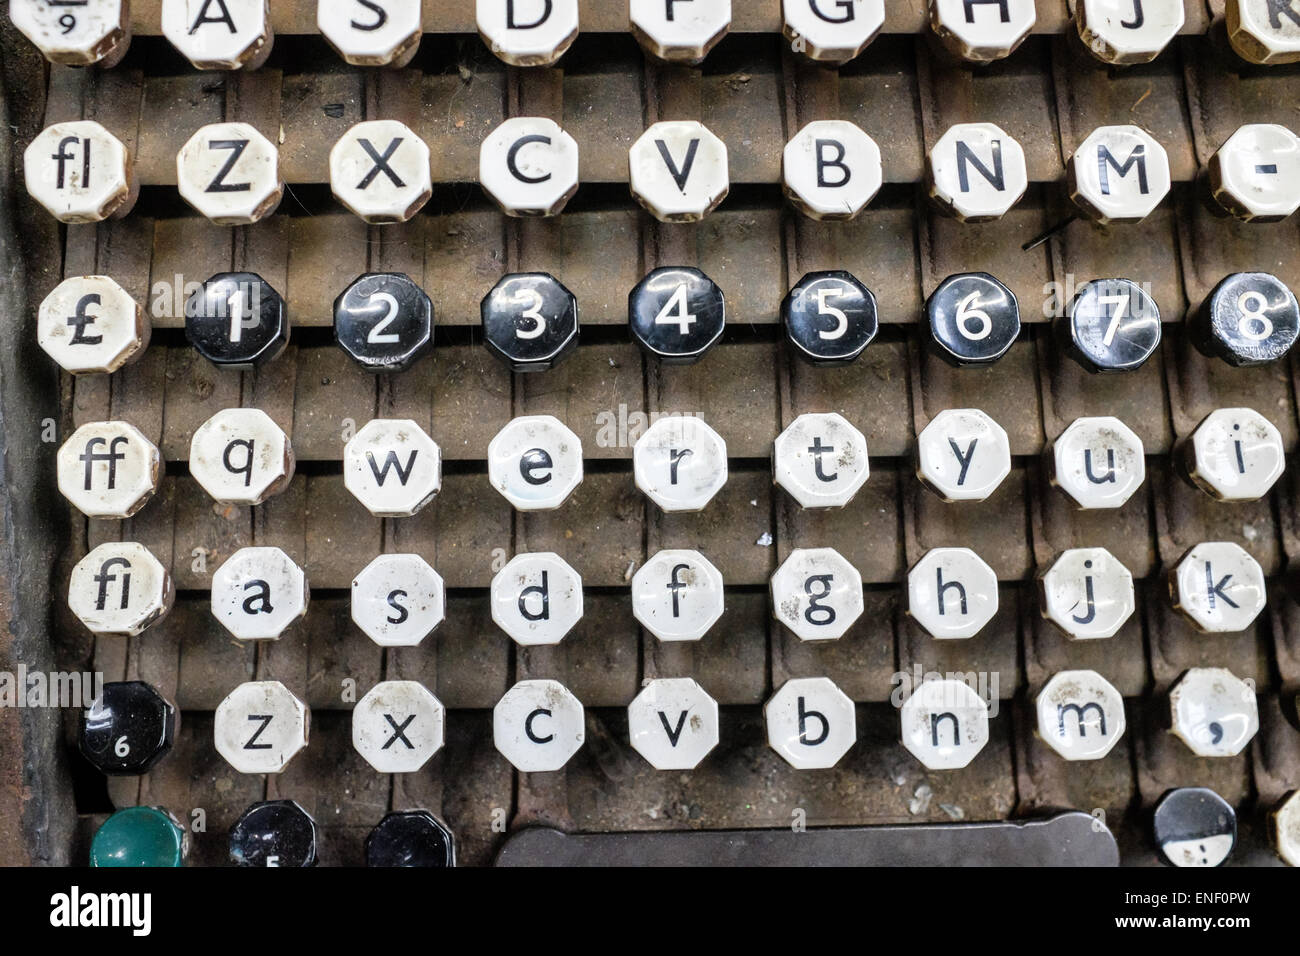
219 34
398 600
260 726
945 724
258 592
976 172
80 172
677 595
527 32
240 456
538 725
831 32
1235 454
952 593
535 462
380 170
371 32
1119 174
678 171
981 31
1265 31
120 588
398 726
821 460
1255 174
1285 827
963 454
817 594
811 723
831 170
680 31
529 166
392 467
1124 32
91 324
537 598
75 32
1087 593
108 469
1080 715
680 463
1218 586
1099 462
1214 712
673 723
230 173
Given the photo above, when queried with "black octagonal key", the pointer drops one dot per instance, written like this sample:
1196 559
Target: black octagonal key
530 321
974 319
411 838
274 833
1194 826
1249 319
676 314
384 321
237 320
829 318
128 728
1112 325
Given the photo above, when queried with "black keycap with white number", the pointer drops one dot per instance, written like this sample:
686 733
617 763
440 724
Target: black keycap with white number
128 728
1111 325
530 321
274 833
237 320
384 321
974 318
676 314
829 318
1250 318
411 838
1194 826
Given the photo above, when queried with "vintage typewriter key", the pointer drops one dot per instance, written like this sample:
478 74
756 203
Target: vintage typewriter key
120 589
945 724
1087 593
1251 318
240 456
677 595
680 463
527 32
538 725
974 319
260 726
529 166
384 321
831 170
398 600
1265 31
1119 174
820 460
230 173
680 31
535 462
392 467
274 833
371 32
258 593
1218 586
90 324
219 34
237 321
128 728
673 723
976 172
380 171
80 172
1235 454
537 598
817 594
831 33
829 318
411 838
140 836
981 31
952 593
676 314
1284 828
963 455
530 321
1125 32
108 469
398 726
678 171
1080 715
811 723
1194 826
1255 174
76 33
1099 462
1111 325
1214 712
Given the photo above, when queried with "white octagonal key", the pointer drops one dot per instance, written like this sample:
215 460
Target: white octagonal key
91 324
230 173
75 32
680 463
538 725
821 460
680 31
371 32
392 467
1087 593
537 598
980 31
945 724
120 588
1235 454
108 469
1214 712
811 723
952 593
1080 715
527 32
219 34
257 593
529 166
1218 586
398 726
1119 174
677 595
1265 31
80 172
535 462
976 172
379 170
260 726
1255 174
1284 825
1124 32
678 171
831 169
673 723
817 594
240 456
1099 462
963 454
831 32
398 600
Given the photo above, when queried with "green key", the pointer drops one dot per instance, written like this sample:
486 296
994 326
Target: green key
139 836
